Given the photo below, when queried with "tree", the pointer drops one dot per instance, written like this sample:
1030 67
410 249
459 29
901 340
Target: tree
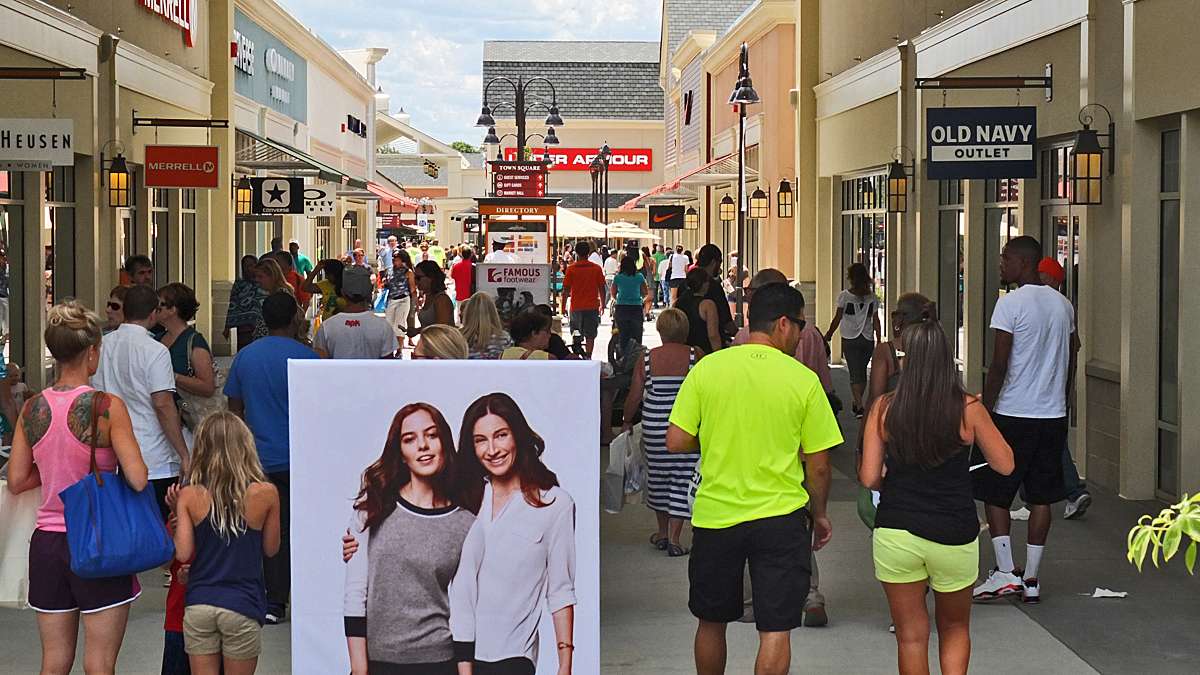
464 147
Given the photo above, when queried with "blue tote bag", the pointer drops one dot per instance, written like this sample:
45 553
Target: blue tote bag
112 530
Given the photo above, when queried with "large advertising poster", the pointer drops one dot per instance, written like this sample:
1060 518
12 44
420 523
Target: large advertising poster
514 286
494 560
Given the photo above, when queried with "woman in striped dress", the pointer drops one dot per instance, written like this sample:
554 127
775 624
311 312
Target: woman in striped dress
654 388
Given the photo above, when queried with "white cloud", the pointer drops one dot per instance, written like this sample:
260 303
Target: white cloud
433 68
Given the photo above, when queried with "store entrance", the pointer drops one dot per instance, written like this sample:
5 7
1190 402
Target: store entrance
255 234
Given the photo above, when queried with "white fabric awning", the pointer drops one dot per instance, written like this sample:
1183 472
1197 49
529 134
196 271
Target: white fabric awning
573 225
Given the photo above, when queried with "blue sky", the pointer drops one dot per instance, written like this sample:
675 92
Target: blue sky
436 46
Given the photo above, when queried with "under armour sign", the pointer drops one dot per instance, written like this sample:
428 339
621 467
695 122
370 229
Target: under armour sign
277 196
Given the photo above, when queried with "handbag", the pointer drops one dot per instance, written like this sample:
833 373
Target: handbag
112 530
194 408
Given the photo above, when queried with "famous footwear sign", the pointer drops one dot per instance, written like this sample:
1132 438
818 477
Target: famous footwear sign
182 13
981 142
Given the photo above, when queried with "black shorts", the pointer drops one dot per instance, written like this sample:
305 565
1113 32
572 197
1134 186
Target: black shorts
54 588
676 283
779 551
518 665
586 321
1037 446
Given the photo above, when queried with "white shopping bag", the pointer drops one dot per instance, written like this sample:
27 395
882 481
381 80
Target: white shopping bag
612 482
635 463
18 517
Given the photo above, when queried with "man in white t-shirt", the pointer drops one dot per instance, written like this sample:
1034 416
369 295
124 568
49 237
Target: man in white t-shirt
500 255
594 257
679 270
355 332
1026 391
664 274
136 367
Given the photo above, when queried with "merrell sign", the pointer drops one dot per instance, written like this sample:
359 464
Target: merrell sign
182 13
181 166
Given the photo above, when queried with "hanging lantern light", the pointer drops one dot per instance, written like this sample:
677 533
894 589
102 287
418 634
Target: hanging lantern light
759 204
728 209
784 196
897 190
118 182
691 219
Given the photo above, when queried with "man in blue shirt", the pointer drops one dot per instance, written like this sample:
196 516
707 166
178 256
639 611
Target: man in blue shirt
257 389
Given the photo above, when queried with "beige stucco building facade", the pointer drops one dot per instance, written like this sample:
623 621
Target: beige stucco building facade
1129 260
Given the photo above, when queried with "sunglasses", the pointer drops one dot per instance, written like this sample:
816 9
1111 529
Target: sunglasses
114 306
800 323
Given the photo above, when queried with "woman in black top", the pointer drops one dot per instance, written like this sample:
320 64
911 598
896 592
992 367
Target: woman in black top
703 320
926 528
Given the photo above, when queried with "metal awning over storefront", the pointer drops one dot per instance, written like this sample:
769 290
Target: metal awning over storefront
255 153
716 172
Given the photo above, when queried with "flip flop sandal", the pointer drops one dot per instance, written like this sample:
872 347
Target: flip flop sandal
676 551
659 543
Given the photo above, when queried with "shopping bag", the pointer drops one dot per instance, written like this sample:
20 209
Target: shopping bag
112 530
612 482
381 301
18 518
635 463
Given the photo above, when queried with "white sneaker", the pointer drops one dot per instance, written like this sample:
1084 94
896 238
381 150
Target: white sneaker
1031 591
1077 507
998 585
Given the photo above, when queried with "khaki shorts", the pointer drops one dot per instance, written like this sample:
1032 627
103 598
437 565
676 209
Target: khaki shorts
214 630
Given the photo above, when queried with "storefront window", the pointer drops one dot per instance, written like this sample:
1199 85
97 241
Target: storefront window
128 218
951 232
864 232
60 244
1167 474
1001 223
322 244
11 258
187 244
160 236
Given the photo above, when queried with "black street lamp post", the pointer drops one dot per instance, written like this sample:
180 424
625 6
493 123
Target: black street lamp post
599 169
521 110
743 95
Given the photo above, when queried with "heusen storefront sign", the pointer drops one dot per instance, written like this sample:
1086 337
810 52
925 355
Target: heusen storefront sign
267 71
981 142
36 144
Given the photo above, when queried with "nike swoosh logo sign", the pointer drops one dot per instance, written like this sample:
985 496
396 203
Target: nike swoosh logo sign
659 219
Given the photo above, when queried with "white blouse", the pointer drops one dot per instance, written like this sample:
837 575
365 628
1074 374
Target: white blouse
510 564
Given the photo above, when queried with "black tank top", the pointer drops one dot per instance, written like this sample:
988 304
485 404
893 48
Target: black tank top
935 504
697 327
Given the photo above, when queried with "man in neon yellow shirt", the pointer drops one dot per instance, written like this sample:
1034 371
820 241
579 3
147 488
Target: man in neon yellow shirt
752 411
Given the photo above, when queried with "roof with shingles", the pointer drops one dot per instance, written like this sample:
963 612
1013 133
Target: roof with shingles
592 80
685 16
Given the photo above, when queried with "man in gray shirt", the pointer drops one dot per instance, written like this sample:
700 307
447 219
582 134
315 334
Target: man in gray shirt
355 332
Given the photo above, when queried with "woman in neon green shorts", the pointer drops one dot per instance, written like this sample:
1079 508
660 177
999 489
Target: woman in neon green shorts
926 528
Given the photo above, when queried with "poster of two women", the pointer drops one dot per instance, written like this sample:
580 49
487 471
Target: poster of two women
444 517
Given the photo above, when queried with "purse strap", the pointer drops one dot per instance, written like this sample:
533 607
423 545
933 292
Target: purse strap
98 398
191 341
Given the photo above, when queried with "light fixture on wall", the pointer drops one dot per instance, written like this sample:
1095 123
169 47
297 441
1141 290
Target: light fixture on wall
118 176
760 204
785 199
1087 157
691 219
727 210
898 183
243 196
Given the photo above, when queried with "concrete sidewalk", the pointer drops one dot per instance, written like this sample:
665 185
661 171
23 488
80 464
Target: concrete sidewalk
646 627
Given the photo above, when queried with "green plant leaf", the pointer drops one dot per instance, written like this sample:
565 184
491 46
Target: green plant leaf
1189 558
1140 544
1171 539
1190 525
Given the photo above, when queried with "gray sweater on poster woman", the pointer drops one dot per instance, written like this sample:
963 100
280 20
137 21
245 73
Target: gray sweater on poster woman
396 584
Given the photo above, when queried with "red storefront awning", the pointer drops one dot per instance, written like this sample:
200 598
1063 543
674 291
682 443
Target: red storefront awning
387 195
720 170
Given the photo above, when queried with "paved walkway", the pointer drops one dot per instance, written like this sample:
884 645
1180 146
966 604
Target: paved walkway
646 627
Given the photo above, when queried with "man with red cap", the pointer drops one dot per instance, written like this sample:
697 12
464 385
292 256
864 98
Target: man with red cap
1078 499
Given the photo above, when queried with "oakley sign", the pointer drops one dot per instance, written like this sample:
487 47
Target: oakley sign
182 13
580 159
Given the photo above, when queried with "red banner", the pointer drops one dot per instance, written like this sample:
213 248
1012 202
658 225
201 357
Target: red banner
580 159
182 166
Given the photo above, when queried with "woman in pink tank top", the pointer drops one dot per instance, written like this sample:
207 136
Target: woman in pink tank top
52 449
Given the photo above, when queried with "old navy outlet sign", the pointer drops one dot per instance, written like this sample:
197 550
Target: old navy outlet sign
181 166
981 142
580 159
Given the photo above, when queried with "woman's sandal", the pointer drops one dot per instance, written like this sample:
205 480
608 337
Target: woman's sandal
676 551
659 543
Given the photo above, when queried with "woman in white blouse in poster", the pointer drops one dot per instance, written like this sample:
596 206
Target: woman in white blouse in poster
519 554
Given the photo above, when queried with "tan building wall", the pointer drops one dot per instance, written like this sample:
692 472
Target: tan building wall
1124 56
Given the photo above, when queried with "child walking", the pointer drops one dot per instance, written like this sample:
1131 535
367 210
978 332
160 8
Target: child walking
228 518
